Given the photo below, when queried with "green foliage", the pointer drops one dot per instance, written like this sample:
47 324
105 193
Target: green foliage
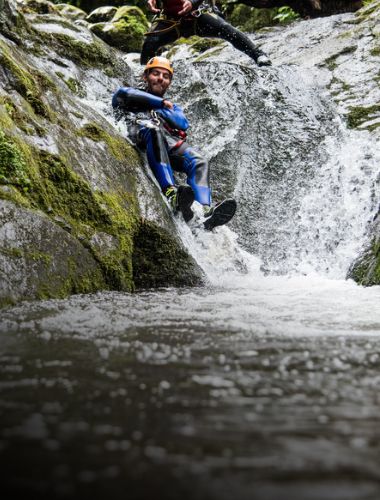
285 15
250 19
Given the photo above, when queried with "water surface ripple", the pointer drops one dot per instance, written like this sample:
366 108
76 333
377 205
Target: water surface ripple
265 389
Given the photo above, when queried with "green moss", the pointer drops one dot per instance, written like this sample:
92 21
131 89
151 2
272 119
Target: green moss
46 182
375 51
19 118
251 19
13 168
76 282
39 256
209 54
198 45
367 11
158 260
203 44
94 54
358 115
11 252
343 86
30 84
118 146
76 87
331 63
366 271
125 31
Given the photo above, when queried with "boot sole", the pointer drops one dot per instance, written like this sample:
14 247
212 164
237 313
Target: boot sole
185 200
222 214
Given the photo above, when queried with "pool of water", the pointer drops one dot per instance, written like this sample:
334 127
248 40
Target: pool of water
259 388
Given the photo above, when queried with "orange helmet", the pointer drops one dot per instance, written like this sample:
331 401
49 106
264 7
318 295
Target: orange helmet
159 62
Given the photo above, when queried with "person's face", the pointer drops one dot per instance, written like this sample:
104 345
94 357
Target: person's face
158 80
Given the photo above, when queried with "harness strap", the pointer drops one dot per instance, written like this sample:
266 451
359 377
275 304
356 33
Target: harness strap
172 24
175 131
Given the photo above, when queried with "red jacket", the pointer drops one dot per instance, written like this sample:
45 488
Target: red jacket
172 7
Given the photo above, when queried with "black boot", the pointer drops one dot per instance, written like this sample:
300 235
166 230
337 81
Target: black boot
181 199
220 214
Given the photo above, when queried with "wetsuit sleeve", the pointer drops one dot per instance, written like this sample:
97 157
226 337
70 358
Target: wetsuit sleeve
175 117
130 99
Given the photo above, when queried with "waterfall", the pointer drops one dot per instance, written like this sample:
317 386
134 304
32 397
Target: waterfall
306 185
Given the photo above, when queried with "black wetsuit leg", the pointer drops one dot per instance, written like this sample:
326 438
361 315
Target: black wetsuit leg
158 37
162 34
214 26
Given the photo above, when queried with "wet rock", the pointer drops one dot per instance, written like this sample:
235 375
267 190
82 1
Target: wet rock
39 259
159 261
125 30
103 243
70 11
65 169
366 269
101 15
36 6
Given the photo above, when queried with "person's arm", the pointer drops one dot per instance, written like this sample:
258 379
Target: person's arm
174 117
137 100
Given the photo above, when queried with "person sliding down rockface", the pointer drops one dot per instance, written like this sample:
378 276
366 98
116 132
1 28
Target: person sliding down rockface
158 126
185 18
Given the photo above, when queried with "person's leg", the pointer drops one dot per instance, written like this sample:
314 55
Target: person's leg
162 33
158 159
180 198
188 160
214 26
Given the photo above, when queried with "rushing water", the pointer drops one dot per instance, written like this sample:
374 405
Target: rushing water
262 385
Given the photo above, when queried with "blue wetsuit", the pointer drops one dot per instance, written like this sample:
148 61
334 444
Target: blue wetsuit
162 132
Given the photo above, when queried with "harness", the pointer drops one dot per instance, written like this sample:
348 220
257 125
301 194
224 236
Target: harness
156 122
181 134
174 23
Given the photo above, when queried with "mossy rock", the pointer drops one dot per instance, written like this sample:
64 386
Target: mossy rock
366 270
160 261
29 83
13 167
367 117
70 11
36 6
38 259
125 31
371 10
42 181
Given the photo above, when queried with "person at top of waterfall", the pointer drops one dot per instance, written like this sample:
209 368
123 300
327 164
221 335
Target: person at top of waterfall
158 126
185 18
